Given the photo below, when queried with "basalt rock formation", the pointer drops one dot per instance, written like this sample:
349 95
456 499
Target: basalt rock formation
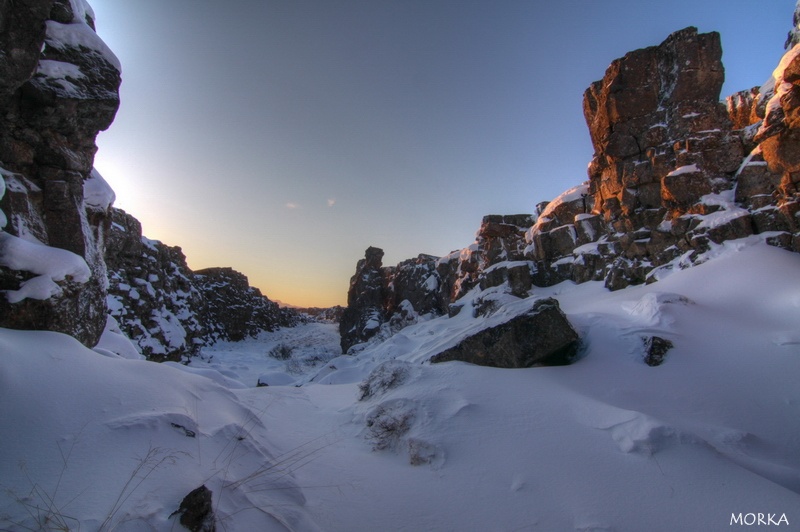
168 310
675 171
58 88
392 297
234 310
67 258
152 293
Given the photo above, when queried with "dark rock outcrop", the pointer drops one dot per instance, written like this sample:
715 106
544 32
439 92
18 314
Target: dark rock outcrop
541 336
663 145
234 310
396 295
655 350
197 511
674 170
152 293
168 310
366 300
58 88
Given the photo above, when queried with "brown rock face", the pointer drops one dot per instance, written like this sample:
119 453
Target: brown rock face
674 170
667 153
779 137
656 110
58 89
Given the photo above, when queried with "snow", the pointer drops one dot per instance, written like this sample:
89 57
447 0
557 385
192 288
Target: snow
115 444
573 194
51 265
568 196
728 209
79 34
97 193
59 71
114 343
607 443
686 169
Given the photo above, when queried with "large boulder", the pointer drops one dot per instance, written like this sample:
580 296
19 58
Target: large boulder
542 336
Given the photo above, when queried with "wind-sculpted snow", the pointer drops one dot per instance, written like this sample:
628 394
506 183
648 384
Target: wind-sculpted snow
114 444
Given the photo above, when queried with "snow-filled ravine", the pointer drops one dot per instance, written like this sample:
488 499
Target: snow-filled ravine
383 440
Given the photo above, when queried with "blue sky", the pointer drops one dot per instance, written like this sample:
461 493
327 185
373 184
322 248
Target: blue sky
283 138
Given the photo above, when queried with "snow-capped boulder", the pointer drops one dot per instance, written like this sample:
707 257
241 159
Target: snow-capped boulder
58 88
542 336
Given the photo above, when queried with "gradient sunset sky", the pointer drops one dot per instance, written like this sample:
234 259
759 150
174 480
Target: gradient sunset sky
284 137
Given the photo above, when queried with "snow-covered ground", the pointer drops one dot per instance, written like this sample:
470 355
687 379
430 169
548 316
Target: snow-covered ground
385 441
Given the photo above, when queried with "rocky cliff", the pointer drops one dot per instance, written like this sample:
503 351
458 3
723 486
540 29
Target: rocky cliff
234 310
168 310
58 88
67 258
675 172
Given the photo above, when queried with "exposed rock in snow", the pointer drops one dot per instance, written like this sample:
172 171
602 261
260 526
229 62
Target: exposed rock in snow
655 350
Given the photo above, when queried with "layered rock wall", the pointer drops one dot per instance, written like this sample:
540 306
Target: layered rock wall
58 88
152 293
168 310
234 310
